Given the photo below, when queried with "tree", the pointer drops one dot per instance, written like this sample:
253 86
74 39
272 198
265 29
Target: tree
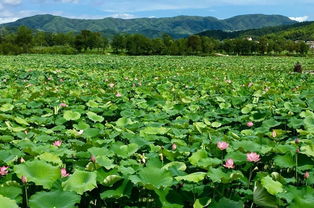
118 43
24 38
194 44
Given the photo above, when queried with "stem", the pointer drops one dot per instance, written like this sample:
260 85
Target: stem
250 176
26 195
296 168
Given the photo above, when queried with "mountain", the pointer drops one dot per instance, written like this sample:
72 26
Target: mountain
179 26
297 31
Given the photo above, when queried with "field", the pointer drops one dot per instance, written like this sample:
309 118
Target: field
118 131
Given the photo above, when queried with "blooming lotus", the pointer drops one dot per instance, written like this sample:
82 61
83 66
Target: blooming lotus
64 173
111 85
250 124
222 145
4 170
24 179
229 164
306 175
118 94
57 143
93 158
63 105
253 157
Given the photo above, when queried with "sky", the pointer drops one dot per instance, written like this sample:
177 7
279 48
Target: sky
11 10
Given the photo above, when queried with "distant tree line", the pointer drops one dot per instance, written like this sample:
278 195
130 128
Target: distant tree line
24 40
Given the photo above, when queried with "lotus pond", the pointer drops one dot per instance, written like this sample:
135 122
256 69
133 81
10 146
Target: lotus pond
93 131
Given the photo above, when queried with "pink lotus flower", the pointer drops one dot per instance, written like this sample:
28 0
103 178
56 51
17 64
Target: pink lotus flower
306 175
222 145
118 94
64 173
93 158
253 157
4 170
250 124
22 160
57 143
63 105
229 164
173 146
24 179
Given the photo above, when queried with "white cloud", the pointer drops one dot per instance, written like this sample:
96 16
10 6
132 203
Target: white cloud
300 19
11 2
123 16
7 19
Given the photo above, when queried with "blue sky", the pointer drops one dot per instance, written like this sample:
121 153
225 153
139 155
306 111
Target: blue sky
10 10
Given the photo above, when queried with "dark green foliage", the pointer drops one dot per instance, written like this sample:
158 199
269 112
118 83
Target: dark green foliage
298 31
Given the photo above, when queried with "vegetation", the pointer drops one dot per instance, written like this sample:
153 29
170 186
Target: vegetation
177 27
299 31
119 131
26 41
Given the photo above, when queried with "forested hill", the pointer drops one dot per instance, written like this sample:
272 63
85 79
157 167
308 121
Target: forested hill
180 26
298 31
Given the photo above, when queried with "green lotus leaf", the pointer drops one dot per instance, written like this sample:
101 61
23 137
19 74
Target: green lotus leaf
12 190
154 130
262 198
91 132
6 107
39 172
124 151
308 150
124 189
50 157
112 179
284 161
216 124
153 178
122 122
71 115
202 202
273 187
227 203
94 117
163 198
197 156
193 177
21 121
178 165
80 182
7 203
105 162
55 199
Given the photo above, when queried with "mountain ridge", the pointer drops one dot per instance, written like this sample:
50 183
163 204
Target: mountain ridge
178 26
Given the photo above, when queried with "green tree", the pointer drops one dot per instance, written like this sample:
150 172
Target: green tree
24 38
